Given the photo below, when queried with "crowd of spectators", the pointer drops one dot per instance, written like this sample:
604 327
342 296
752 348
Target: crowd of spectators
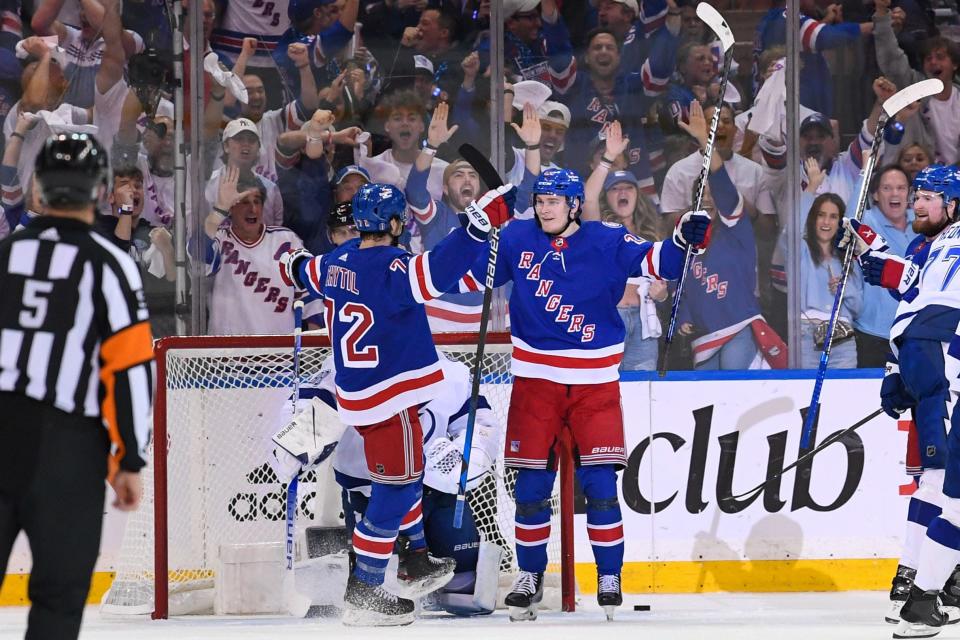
306 100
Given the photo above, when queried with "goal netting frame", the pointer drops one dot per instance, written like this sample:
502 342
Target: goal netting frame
198 380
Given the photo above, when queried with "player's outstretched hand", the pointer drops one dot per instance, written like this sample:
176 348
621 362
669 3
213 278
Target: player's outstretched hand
693 230
129 489
862 236
289 264
889 271
492 209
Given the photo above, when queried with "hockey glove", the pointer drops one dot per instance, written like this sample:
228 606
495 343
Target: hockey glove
863 237
889 271
493 209
894 399
290 264
693 229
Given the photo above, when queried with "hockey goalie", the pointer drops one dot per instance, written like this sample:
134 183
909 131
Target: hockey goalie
316 433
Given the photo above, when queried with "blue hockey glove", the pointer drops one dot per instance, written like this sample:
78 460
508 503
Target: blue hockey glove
693 229
894 399
889 271
492 209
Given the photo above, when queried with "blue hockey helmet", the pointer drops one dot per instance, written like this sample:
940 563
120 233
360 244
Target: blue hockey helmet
375 204
931 178
560 182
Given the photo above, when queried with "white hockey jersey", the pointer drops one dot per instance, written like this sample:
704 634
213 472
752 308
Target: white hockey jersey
248 295
933 305
444 417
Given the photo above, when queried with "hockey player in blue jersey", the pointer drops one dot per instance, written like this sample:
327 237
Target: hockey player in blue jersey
918 377
317 430
386 365
567 340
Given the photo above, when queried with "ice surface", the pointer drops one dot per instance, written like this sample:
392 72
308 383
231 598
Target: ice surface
781 616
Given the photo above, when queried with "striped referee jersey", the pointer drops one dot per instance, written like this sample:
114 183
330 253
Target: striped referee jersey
74 332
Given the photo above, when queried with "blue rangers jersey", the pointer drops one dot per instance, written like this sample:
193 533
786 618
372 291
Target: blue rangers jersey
563 308
443 417
373 298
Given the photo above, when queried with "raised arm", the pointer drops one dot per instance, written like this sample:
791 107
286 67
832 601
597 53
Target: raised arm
616 143
114 56
45 23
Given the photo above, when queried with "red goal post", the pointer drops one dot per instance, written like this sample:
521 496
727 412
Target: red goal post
192 370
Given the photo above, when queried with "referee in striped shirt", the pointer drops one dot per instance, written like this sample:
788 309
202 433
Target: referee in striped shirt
76 379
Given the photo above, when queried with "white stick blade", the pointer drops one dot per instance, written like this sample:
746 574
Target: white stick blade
716 22
907 95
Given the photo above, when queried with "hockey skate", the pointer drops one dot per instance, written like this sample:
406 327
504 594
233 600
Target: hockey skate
420 573
950 605
921 615
609 596
367 605
526 594
899 590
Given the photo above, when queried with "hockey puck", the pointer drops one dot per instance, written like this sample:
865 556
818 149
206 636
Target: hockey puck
641 607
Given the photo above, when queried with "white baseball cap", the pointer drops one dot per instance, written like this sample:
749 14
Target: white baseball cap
554 112
238 126
631 4
511 7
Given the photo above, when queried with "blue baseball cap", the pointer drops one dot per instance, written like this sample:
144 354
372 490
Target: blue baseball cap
618 177
816 120
299 10
351 169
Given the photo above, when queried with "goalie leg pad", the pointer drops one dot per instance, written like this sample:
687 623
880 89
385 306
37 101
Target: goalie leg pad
307 440
604 521
375 535
442 538
532 492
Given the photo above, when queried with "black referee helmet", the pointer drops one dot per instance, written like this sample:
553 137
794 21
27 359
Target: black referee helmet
70 168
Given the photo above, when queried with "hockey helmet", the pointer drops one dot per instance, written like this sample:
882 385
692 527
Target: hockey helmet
375 204
70 168
560 182
930 178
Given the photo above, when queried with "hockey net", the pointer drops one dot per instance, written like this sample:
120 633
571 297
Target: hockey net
219 399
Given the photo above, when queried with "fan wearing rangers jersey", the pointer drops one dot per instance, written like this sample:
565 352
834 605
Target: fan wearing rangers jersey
568 277
922 373
241 257
387 365
473 589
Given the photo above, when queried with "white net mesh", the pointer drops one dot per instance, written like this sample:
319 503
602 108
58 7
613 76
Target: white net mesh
222 406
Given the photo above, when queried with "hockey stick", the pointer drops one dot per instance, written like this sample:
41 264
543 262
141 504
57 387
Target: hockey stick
297 603
839 435
891 106
719 26
490 176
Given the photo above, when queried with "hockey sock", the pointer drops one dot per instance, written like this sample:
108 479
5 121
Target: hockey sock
375 535
604 522
920 514
532 493
938 555
412 526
